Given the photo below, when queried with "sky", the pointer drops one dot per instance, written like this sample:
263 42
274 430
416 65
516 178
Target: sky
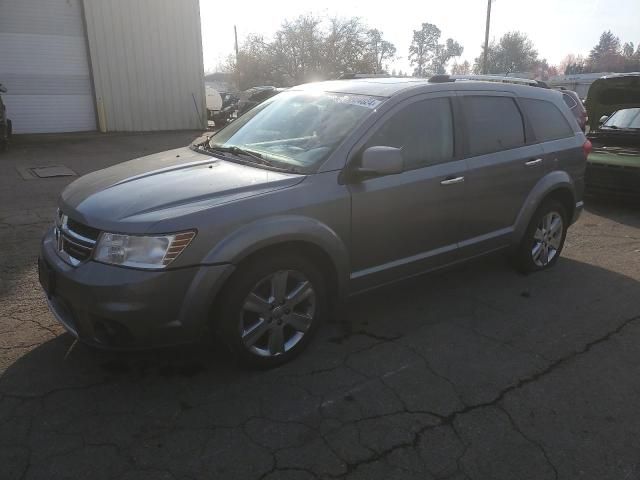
557 27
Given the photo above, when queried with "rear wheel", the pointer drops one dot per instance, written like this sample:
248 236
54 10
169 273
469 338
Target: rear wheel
270 309
544 239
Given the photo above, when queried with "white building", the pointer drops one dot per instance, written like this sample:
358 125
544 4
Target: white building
108 65
578 82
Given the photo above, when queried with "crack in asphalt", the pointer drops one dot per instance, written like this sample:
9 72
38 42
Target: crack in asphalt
467 446
449 419
349 467
535 443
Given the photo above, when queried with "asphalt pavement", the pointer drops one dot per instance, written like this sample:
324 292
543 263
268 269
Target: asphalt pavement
476 373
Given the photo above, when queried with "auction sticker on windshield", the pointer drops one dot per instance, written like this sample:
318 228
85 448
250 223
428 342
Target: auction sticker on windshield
358 100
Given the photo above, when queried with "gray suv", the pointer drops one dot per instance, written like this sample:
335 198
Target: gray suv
321 192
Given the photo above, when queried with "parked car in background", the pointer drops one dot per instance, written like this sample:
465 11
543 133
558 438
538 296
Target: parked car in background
213 103
254 96
229 110
5 123
321 192
614 166
576 106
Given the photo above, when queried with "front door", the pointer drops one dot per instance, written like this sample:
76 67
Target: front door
407 223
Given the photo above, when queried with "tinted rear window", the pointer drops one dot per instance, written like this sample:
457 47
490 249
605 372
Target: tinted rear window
493 124
548 122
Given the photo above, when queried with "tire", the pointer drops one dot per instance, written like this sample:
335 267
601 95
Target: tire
5 133
544 238
266 313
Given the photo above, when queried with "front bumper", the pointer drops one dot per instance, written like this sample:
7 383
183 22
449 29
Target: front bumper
123 308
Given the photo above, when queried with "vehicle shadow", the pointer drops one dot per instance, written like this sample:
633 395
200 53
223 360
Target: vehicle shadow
442 343
545 313
625 211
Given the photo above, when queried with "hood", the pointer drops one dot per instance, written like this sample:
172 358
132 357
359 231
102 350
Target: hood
611 93
165 185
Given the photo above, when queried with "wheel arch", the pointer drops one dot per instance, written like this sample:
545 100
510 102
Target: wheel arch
305 235
557 185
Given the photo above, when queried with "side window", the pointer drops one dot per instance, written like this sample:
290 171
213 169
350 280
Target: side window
569 101
548 122
493 124
423 130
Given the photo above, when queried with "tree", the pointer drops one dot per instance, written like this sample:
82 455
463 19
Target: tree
254 66
513 53
571 64
379 49
609 55
606 56
463 68
541 70
344 47
443 54
309 48
298 50
427 54
609 45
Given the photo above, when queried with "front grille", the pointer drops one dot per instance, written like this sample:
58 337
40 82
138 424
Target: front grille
74 240
84 230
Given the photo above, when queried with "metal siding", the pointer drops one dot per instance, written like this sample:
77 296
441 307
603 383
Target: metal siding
44 65
147 63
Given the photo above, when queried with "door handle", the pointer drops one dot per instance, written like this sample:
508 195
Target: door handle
452 181
533 163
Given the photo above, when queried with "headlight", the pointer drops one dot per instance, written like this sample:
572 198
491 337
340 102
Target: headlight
141 251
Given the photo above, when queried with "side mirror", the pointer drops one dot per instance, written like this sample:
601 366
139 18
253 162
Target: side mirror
603 119
379 161
3 89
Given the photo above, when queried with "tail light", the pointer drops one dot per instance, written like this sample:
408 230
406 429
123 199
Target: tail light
587 147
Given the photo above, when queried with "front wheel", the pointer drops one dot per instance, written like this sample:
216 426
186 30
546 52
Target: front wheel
544 239
270 309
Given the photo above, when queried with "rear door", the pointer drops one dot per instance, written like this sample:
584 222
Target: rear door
557 137
503 164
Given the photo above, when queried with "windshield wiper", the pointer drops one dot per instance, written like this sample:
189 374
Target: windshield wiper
256 157
238 151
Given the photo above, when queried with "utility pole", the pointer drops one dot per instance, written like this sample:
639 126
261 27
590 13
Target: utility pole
235 34
486 39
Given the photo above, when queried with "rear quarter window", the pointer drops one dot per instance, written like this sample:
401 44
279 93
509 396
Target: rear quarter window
547 120
569 101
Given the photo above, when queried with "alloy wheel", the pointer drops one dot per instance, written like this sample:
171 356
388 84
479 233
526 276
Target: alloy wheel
547 239
277 313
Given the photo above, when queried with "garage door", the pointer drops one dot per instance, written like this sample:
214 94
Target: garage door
44 65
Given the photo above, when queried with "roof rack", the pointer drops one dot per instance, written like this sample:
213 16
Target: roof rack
487 78
353 76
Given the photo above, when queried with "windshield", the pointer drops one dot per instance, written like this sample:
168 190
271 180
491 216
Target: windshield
298 129
627 118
